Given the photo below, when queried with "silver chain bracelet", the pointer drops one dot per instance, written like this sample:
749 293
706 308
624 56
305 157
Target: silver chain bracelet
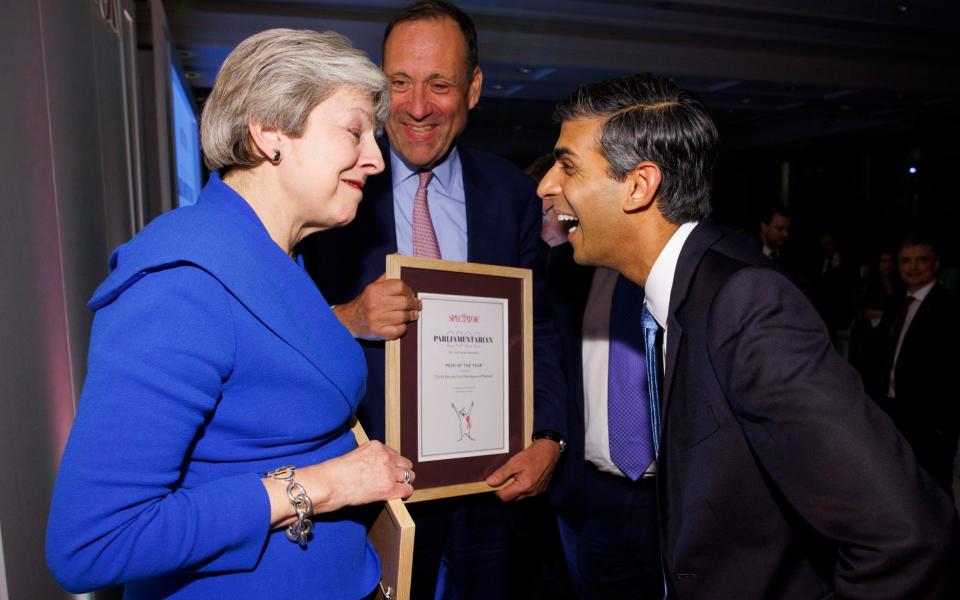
299 531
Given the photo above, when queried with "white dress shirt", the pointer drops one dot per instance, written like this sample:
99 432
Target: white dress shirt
595 345
595 349
660 281
445 197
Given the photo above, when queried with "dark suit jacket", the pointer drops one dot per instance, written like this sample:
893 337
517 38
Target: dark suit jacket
568 287
777 477
503 228
788 260
832 293
927 406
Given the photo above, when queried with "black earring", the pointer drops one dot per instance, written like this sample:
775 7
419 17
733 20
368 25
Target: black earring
276 156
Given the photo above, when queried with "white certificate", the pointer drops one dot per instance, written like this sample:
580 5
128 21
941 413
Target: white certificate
462 398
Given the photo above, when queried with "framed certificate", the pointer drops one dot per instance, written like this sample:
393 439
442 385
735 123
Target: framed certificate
459 383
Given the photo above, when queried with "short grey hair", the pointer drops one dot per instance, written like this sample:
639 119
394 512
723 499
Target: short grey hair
651 119
276 77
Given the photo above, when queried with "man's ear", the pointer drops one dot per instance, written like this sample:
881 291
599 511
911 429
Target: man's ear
643 182
268 141
473 92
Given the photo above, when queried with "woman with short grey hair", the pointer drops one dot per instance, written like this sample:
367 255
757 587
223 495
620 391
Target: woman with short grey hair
276 77
211 456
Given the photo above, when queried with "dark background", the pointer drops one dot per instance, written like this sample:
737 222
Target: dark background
822 105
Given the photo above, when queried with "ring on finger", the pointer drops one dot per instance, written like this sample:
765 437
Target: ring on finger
407 476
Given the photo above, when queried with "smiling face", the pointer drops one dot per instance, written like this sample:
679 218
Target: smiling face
918 265
325 169
588 202
431 92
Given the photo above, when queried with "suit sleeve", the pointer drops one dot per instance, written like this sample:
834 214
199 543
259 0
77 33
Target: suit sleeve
835 457
549 384
158 356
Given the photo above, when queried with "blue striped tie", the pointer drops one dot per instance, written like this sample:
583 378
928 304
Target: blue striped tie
652 349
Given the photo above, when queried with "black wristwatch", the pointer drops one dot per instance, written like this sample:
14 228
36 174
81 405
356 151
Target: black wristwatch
549 434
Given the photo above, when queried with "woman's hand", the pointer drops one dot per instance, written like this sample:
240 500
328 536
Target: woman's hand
370 473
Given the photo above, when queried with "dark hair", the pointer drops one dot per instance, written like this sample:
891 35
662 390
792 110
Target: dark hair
769 213
439 9
538 168
649 118
918 238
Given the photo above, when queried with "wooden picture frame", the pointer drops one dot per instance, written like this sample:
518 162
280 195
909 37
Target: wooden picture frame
477 284
392 534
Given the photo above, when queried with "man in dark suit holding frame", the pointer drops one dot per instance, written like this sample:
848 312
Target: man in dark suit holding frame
776 475
440 199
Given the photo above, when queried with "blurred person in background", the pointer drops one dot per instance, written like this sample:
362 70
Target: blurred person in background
831 288
774 232
919 385
879 292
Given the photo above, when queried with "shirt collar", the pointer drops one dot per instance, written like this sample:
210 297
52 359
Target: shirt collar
660 280
443 173
922 292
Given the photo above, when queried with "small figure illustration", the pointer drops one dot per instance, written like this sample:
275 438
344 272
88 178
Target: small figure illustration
463 421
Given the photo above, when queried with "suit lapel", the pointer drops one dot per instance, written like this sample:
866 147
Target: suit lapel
223 236
569 286
922 321
381 192
583 278
482 215
280 293
376 217
700 239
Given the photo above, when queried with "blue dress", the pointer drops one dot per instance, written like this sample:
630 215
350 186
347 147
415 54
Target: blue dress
213 359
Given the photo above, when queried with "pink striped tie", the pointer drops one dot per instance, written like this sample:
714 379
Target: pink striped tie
424 237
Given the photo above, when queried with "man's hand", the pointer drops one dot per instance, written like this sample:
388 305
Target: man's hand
531 470
381 311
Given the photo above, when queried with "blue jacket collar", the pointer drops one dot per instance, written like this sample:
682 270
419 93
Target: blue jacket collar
222 235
